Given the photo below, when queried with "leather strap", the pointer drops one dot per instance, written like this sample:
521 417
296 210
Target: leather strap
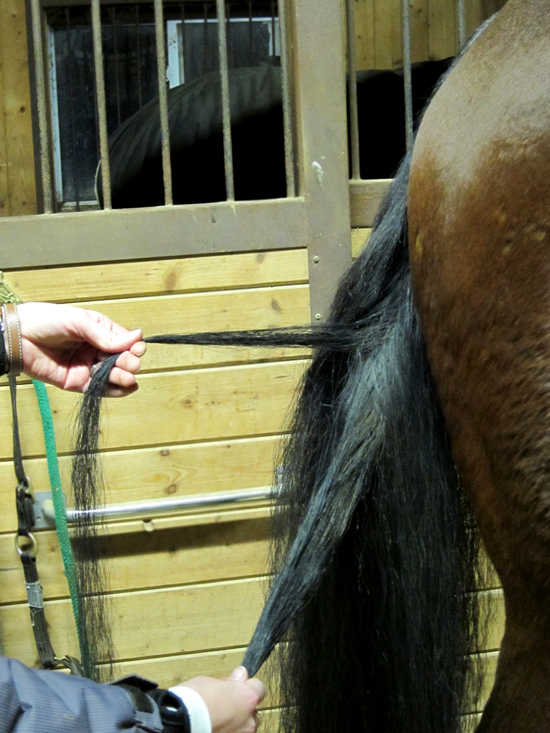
12 338
25 544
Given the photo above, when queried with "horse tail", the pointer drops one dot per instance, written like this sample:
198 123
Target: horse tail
375 557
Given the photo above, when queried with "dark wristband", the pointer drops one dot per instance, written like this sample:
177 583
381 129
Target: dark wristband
173 712
145 694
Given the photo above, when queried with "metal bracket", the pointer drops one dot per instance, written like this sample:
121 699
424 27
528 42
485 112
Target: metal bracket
44 514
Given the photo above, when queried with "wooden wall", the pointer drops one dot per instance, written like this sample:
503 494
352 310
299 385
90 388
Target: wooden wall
17 180
186 590
434 30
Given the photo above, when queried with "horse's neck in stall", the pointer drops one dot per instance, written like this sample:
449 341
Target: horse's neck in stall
479 218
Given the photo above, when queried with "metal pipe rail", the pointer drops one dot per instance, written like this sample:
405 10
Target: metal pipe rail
154 508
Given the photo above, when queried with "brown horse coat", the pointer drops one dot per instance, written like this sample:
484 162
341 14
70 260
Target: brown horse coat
479 235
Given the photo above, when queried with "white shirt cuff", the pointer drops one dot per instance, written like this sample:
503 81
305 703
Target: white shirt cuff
196 708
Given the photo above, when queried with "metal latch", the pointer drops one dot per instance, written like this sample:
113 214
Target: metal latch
44 513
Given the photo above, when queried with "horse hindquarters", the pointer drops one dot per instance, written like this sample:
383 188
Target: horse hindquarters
479 218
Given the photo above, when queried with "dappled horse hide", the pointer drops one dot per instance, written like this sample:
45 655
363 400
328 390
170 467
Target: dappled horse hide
196 137
427 404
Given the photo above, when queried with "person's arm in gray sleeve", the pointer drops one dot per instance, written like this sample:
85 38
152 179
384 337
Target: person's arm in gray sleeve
37 701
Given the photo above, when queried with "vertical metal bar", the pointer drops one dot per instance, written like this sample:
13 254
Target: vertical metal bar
45 152
226 112
88 64
272 7
163 104
117 80
138 56
101 108
251 44
205 39
230 50
352 87
71 102
407 82
461 23
287 113
183 45
55 134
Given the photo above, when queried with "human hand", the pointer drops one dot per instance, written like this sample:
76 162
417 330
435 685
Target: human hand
232 703
60 345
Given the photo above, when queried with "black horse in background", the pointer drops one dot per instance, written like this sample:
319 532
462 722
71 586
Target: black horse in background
196 136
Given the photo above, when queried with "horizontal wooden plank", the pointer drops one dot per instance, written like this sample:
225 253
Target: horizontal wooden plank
212 311
154 277
492 608
144 560
163 231
178 620
365 200
199 405
170 671
269 720
217 311
470 722
489 662
260 510
158 473
151 623
359 239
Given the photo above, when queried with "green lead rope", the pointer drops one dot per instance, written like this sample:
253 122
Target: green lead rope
7 294
61 521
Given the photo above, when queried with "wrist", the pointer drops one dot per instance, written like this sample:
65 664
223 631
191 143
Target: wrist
148 699
199 716
11 356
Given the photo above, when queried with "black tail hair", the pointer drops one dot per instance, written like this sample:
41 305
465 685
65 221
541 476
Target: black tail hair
375 556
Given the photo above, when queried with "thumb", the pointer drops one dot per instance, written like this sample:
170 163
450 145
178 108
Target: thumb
239 674
107 338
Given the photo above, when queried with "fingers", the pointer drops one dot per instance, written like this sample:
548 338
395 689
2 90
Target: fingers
120 391
122 380
139 348
239 674
258 688
127 362
126 367
105 334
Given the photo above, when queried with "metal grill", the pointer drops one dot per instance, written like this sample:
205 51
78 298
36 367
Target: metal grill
107 61
406 60
382 117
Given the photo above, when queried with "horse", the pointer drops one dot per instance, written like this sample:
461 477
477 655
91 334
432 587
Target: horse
196 135
479 230
421 425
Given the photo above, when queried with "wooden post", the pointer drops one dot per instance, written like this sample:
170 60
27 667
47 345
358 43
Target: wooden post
17 180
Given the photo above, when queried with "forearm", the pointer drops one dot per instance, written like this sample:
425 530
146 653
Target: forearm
51 702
